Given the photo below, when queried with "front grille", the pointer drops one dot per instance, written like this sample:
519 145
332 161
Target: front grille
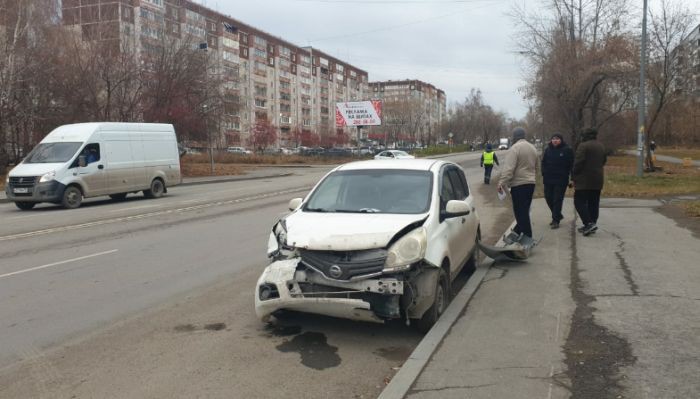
23 181
345 265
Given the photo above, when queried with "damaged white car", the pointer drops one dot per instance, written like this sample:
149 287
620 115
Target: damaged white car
373 241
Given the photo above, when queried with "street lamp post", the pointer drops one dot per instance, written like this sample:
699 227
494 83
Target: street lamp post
211 147
641 103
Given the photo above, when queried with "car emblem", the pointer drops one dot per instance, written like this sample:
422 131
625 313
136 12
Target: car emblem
335 271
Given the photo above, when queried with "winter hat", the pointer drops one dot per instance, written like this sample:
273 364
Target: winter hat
488 147
518 133
590 133
557 135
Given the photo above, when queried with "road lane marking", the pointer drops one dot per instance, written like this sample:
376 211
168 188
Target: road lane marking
151 214
135 207
26 216
58 263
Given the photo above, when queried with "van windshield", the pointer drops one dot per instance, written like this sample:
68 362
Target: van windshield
53 152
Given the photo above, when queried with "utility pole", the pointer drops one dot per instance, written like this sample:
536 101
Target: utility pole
641 102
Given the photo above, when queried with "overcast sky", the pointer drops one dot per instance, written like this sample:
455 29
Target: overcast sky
456 45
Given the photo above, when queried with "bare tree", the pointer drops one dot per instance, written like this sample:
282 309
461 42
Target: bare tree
581 57
666 76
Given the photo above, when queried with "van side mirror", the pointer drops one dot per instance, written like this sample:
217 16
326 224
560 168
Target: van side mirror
81 161
295 203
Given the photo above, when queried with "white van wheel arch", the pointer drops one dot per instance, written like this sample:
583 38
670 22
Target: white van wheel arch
72 197
157 189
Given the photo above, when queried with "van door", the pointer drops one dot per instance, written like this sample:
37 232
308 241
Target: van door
92 175
118 168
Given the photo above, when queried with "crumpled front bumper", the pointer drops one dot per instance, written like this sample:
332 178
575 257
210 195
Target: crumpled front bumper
282 278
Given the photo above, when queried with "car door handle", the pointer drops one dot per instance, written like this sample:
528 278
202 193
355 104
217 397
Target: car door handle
464 220
100 166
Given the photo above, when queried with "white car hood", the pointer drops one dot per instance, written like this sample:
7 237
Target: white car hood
34 169
344 231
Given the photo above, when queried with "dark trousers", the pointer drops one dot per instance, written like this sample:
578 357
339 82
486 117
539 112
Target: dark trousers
587 203
554 194
487 173
522 199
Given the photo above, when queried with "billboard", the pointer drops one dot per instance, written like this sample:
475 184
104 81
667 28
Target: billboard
358 113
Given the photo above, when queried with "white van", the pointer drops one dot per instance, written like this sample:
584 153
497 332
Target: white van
93 159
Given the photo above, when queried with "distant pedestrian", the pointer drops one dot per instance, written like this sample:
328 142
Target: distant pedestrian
557 161
588 178
652 147
518 172
488 157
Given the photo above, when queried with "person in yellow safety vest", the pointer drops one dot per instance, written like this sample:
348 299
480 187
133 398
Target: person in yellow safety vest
488 157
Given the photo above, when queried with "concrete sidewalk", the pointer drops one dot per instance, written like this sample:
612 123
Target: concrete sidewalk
630 291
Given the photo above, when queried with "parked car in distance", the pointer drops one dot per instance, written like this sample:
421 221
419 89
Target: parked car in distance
393 154
373 241
238 150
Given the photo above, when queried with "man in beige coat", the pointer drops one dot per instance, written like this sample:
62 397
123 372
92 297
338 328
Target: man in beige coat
518 172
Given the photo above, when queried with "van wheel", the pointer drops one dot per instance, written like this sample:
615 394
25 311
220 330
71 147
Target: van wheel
25 206
440 301
118 197
156 190
72 197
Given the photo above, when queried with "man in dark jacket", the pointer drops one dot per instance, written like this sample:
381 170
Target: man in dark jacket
588 178
557 161
488 157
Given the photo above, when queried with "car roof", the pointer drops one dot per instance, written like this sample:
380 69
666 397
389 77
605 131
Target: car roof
407 164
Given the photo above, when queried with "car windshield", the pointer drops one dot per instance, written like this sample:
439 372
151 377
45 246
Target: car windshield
402 153
373 191
53 152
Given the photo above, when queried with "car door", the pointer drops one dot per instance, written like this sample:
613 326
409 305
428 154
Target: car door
456 231
471 222
92 174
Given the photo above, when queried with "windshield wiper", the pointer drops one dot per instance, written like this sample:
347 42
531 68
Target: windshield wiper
316 210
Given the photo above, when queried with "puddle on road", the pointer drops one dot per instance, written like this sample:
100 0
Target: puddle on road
215 326
314 349
394 353
191 327
185 328
281 331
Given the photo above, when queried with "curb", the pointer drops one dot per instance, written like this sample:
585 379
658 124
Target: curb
412 368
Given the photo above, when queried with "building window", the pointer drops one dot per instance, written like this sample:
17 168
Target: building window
259 41
285 96
259 103
260 53
260 91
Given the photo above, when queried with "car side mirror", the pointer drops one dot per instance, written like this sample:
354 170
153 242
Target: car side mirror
81 161
456 208
295 203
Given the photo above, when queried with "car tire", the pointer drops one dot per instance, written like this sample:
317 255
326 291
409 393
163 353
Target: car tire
118 197
473 261
440 301
157 189
25 206
72 197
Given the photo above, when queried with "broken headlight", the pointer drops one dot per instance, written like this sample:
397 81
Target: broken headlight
407 250
277 242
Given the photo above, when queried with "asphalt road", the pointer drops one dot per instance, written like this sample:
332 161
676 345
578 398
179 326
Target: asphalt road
153 298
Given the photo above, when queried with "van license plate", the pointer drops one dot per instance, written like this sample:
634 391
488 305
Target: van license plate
20 190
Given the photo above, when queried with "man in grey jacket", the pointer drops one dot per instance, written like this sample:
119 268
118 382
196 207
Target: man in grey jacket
518 173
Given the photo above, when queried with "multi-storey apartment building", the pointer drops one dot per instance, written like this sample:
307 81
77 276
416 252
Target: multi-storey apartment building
686 62
418 104
266 77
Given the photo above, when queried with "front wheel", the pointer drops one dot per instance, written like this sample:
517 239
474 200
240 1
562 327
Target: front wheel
157 189
25 206
72 197
440 300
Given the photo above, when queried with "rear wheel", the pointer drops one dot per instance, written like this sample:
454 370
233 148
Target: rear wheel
440 300
25 206
157 189
72 197
118 197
